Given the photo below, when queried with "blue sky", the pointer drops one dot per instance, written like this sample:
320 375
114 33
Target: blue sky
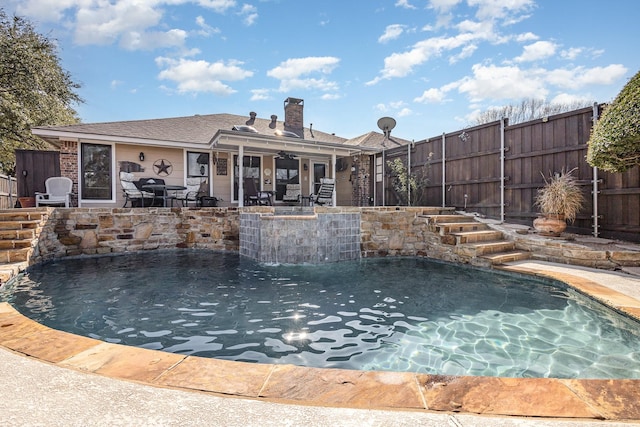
430 64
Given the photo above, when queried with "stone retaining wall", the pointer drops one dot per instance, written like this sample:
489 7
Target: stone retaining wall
384 231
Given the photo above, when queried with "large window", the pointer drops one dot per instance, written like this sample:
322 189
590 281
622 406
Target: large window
96 172
197 165
250 169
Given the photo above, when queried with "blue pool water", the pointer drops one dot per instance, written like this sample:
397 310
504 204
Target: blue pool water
375 314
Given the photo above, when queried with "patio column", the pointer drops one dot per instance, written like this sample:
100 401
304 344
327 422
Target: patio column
240 176
335 180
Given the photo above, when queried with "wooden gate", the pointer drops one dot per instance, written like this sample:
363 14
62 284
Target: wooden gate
33 167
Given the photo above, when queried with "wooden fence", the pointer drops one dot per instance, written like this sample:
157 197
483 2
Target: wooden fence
467 169
8 192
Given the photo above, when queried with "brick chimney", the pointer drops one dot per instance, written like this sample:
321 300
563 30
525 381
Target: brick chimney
293 120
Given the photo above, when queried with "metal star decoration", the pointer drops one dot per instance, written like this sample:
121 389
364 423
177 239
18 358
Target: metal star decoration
163 167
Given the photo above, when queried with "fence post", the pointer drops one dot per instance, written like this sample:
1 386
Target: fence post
502 149
595 190
444 170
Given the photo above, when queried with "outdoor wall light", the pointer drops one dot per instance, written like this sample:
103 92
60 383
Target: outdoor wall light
141 156
305 167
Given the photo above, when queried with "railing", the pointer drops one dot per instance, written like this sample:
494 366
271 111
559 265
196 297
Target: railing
8 192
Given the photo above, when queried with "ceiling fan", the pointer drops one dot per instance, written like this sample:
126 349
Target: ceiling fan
285 155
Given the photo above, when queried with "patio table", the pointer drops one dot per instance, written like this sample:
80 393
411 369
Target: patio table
165 188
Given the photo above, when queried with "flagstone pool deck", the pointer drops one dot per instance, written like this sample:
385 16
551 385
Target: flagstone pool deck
403 394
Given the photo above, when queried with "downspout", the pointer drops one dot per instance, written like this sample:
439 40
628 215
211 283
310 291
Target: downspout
595 191
444 170
240 176
502 151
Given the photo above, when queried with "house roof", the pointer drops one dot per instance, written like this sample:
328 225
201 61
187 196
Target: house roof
198 129
377 140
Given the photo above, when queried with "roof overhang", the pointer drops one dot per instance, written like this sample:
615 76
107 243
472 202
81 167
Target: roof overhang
54 136
225 140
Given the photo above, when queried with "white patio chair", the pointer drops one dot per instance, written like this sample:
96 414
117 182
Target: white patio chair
58 192
133 193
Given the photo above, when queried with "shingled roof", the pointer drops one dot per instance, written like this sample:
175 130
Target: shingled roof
197 129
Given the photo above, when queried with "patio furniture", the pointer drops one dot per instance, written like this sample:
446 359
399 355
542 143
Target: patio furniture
58 192
164 190
132 194
292 194
196 190
325 192
159 192
252 196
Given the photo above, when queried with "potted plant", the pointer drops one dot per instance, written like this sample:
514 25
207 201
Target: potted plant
559 201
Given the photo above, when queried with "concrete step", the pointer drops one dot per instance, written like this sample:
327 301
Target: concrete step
445 218
21 214
459 227
14 244
19 225
485 248
502 257
17 234
8 256
476 236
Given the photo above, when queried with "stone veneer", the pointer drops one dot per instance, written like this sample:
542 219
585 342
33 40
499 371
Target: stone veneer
300 236
383 231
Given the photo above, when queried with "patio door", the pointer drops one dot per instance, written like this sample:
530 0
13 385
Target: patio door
250 169
287 172
319 172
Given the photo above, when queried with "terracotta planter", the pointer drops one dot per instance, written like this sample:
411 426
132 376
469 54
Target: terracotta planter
27 202
550 225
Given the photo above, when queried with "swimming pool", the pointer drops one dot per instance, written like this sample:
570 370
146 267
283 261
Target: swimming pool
376 314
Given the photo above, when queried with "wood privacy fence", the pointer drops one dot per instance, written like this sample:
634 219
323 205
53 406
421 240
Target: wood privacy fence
8 192
495 170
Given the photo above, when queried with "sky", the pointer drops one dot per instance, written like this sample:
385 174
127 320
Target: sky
432 65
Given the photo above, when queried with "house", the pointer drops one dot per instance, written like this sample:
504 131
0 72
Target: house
208 147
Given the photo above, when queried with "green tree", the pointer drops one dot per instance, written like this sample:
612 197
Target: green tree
614 144
34 89
407 185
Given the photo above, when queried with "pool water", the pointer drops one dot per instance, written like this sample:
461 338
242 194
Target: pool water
396 314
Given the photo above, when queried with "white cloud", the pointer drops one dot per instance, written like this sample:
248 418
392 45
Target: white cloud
293 73
260 95
431 96
201 76
443 6
296 67
404 4
492 82
205 29
511 11
153 39
404 112
570 99
580 77
536 51
392 32
249 14
219 6
330 97
526 37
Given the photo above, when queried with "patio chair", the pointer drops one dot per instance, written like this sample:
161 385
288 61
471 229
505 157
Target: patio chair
132 194
292 194
196 190
325 192
58 192
252 196
159 199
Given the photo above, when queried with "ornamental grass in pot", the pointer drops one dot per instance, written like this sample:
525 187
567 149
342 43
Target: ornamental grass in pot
559 201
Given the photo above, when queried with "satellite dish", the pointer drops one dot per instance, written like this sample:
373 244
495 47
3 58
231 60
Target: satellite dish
386 124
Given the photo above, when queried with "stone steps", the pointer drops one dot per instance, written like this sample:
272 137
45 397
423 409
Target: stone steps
18 230
474 240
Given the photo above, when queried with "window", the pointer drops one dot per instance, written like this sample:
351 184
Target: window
287 171
379 170
96 172
197 165
250 169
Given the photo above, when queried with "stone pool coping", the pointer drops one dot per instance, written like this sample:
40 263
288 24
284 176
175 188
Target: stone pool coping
527 397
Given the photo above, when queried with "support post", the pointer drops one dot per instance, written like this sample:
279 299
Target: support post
502 151
595 191
444 170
